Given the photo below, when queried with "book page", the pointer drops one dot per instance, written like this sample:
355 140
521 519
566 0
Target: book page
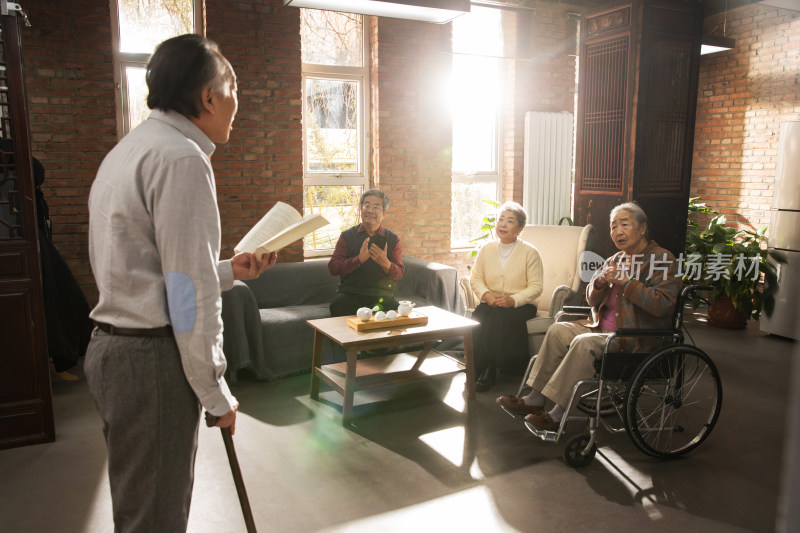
280 227
296 231
276 220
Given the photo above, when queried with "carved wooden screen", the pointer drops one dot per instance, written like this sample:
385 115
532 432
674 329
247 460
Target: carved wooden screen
10 215
26 411
663 118
604 119
603 139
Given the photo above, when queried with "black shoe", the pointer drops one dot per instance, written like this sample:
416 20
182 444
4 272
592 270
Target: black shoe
486 379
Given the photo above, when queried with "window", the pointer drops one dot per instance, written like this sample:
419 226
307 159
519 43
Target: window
475 95
335 99
137 27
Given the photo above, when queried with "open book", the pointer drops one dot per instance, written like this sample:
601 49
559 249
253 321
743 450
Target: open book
280 227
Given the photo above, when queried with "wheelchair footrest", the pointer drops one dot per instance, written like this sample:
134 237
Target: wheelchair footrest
546 436
519 416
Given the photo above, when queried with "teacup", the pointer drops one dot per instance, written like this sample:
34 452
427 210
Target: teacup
405 307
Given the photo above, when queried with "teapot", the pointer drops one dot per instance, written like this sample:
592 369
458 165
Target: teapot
364 314
405 307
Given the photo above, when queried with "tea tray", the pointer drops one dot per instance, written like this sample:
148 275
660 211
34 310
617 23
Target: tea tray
414 319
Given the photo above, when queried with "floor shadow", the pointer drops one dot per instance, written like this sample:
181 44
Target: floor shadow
283 407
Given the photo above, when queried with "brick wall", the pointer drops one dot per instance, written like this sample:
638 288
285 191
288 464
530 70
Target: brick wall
412 125
744 95
70 85
263 161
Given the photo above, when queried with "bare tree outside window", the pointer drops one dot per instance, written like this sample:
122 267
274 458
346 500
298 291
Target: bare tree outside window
138 26
331 38
332 125
145 23
137 95
334 78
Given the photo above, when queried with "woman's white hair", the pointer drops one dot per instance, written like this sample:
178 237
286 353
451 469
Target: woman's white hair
518 210
638 213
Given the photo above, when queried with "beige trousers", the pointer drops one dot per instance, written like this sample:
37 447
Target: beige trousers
567 356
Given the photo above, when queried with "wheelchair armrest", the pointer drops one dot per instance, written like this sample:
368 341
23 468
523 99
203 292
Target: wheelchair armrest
633 332
577 309
572 312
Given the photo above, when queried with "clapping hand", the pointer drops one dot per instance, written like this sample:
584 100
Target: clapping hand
379 255
614 272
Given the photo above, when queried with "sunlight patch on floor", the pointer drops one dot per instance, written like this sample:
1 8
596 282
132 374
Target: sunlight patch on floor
455 394
449 443
469 510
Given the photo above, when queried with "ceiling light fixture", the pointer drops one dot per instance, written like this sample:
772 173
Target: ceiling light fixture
710 43
716 43
436 11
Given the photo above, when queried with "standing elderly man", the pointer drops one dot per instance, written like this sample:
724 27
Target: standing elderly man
154 241
369 259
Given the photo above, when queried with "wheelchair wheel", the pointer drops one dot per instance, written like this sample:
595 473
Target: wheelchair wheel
573 451
673 401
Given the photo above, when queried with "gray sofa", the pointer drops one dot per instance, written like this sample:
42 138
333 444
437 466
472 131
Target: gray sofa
264 320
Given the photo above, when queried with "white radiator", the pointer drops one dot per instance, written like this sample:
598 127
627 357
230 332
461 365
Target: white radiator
547 167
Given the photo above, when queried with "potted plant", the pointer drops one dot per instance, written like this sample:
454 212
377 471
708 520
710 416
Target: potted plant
732 261
487 231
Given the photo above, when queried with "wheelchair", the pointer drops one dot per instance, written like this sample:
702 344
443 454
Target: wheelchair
667 400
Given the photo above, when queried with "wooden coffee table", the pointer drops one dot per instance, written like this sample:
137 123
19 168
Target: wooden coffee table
376 372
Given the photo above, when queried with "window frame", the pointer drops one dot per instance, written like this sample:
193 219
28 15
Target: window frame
124 60
360 75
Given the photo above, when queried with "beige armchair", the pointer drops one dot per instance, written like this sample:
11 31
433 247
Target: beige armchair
560 248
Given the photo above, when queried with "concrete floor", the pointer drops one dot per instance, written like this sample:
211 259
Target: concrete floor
418 463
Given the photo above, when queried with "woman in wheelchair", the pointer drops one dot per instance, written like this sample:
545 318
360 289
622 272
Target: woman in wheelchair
507 278
636 288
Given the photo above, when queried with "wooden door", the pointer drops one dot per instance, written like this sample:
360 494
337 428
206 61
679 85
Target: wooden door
26 410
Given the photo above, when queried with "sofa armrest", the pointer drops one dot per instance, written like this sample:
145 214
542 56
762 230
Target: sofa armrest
467 296
241 333
563 296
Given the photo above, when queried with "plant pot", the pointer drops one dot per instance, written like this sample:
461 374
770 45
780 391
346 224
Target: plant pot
722 314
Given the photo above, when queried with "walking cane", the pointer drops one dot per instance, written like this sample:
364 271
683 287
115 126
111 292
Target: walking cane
211 421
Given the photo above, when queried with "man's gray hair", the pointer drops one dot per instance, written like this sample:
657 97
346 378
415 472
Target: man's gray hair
375 192
181 68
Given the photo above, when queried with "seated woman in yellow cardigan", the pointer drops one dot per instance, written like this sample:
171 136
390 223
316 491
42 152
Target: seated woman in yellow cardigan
507 279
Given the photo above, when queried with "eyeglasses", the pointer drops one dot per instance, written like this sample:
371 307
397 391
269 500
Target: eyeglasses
372 207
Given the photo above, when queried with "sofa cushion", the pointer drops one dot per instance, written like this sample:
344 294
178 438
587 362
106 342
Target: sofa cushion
539 324
295 284
288 339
